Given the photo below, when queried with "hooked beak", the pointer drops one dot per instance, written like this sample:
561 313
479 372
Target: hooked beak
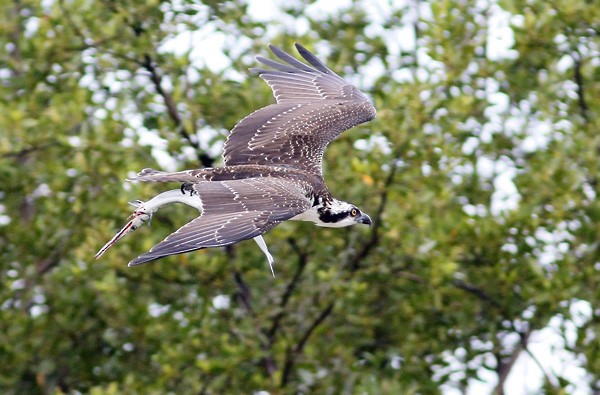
364 219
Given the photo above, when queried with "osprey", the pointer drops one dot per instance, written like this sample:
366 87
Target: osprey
272 165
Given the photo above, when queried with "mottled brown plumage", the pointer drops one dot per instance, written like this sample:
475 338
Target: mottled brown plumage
314 106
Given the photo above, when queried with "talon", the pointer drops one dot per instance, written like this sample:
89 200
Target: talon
187 186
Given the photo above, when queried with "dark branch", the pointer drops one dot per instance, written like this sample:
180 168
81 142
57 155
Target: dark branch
505 366
23 153
15 36
320 318
292 353
583 106
302 261
550 378
462 285
271 334
243 294
156 79
375 228
478 292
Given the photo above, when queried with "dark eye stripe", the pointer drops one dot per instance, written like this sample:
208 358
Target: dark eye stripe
328 216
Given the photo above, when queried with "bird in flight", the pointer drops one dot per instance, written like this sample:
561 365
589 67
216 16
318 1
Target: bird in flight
272 165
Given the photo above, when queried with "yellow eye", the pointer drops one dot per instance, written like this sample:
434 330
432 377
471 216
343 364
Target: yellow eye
354 212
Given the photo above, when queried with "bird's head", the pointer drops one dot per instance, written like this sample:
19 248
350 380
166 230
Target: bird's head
339 214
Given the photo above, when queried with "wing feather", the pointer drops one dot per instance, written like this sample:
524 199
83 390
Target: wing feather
233 211
314 106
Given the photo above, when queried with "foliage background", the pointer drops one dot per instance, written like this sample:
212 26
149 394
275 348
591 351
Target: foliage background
481 172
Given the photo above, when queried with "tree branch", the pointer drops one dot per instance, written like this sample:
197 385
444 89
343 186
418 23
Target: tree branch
15 36
480 293
320 318
550 378
505 367
156 79
24 152
271 334
462 285
302 261
292 353
373 240
583 106
243 294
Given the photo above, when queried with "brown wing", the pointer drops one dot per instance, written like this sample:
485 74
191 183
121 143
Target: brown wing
314 105
233 211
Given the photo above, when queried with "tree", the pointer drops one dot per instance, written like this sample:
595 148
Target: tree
480 172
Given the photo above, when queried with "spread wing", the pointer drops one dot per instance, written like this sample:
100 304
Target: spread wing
233 211
314 105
